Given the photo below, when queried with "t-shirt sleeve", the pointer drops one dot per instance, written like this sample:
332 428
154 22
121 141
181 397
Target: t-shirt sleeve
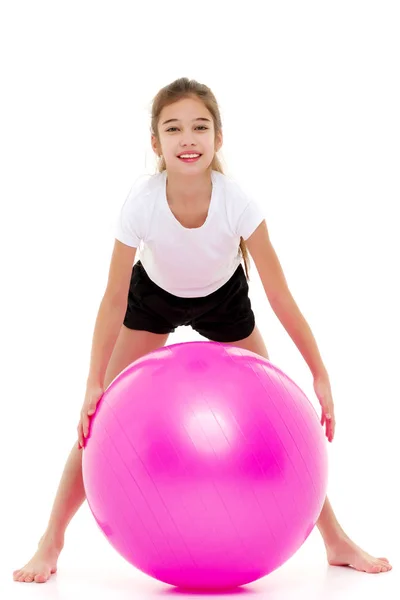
249 219
129 223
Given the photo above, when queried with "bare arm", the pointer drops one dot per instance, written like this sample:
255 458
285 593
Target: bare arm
111 312
281 299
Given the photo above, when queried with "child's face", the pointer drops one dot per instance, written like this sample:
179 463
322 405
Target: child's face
186 134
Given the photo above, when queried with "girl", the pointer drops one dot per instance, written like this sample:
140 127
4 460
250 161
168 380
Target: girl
191 222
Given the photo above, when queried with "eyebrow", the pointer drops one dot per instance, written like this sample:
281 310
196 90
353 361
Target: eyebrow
198 119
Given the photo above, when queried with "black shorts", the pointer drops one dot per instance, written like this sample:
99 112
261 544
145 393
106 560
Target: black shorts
223 316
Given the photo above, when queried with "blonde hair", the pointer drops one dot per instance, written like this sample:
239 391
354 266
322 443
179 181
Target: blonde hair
186 88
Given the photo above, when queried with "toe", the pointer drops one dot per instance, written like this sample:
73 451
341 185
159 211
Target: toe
386 567
380 568
376 569
28 578
385 564
40 578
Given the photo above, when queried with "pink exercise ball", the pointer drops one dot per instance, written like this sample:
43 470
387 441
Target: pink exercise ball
205 465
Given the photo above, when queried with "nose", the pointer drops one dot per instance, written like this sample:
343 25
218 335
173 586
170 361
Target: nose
187 140
185 146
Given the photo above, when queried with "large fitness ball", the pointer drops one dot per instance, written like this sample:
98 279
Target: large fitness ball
205 465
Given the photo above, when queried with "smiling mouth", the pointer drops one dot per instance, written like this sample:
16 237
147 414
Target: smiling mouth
190 159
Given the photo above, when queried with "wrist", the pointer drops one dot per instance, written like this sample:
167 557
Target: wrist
320 373
93 381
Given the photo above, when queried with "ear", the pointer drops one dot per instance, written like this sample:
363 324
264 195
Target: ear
219 141
155 145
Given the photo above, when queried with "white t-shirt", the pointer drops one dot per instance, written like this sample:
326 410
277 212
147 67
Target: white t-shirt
187 262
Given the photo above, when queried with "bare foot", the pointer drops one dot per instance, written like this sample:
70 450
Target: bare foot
43 563
345 553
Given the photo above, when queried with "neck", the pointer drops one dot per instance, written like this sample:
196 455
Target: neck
184 188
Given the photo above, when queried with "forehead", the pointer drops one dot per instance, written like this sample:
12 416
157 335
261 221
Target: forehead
187 109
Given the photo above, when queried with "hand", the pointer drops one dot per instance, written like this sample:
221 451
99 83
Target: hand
322 389
92 397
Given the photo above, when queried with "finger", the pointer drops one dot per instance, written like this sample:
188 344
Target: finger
79 435
332 425
92 408
85 421
327 429
331 430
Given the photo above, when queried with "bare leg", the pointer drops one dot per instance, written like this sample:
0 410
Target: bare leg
340 549
70 496
130 345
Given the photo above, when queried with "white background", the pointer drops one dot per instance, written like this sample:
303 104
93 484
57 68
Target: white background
309 96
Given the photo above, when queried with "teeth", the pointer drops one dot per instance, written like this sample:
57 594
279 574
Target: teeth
189 155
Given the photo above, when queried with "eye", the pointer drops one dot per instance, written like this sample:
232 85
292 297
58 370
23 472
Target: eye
203 126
